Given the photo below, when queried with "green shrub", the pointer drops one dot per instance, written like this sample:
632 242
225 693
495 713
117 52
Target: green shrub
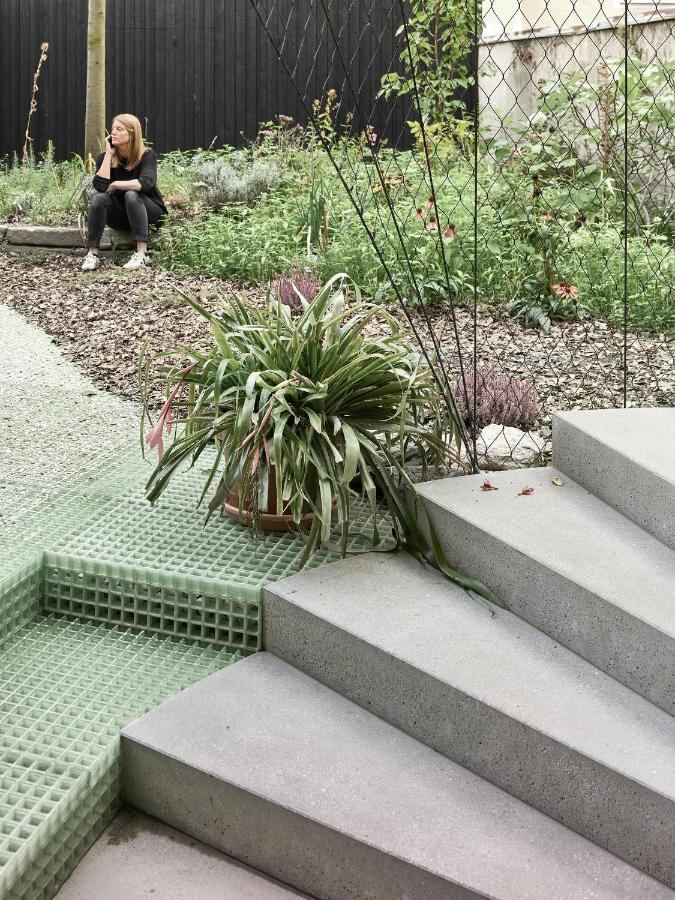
41 191
520 253
219 182
535 234
594 262
253 247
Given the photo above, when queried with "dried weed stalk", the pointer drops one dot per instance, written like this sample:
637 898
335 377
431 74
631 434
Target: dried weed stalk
44 47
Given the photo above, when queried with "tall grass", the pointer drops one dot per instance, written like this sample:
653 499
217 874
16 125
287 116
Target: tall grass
40 190
256 241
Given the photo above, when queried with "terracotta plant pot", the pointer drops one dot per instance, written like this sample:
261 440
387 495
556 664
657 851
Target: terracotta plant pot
269 521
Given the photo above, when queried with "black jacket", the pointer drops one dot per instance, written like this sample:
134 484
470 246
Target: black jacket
145 172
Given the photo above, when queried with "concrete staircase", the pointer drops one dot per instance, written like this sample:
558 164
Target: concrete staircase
568 561
627 460
397 741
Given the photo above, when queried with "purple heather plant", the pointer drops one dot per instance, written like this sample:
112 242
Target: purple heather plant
287 287
501 399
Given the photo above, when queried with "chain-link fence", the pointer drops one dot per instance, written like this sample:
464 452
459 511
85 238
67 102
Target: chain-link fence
521 215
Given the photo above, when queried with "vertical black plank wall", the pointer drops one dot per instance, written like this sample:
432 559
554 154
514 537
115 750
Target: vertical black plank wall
199 71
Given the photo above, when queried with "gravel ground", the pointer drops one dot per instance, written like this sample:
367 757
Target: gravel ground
54 423
101 319
578 365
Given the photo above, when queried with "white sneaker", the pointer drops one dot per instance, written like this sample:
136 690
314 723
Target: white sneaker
137 260
91 262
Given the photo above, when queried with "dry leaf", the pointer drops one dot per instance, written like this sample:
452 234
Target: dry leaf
557 481
486 486
100 327
527 491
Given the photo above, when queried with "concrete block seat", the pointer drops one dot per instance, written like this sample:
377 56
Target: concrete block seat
63 238
114 240
275 769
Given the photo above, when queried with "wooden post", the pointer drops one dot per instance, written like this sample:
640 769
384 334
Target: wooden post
94 121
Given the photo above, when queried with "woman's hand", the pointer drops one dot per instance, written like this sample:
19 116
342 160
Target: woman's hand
132 184
109 149
112 187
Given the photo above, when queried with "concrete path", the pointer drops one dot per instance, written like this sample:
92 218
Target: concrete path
55 424
138 857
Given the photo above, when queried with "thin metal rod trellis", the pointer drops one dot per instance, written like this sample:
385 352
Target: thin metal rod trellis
625 206
543 168
447 393
476 138
442 380
434 196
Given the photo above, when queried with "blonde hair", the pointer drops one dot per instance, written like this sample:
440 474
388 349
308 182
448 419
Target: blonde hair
136 146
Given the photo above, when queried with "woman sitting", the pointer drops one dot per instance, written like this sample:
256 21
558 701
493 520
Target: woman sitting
126 197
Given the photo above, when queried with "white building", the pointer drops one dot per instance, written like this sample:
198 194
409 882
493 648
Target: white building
527 42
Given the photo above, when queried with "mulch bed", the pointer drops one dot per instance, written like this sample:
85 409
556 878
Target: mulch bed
101 319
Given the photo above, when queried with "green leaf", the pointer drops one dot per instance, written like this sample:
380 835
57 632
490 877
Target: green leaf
352 453
314 418
220 339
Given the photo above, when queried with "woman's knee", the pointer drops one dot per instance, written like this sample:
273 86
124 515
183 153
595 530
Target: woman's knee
132 198
100 199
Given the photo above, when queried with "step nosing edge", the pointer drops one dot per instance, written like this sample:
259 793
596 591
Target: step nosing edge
533 727
282 804
616 451
555 570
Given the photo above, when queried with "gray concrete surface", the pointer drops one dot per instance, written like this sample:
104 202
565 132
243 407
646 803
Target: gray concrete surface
54 423
569 564
137 857
277 770
492 693
627 458
60 236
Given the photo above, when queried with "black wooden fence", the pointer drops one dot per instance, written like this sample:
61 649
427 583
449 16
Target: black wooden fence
195 71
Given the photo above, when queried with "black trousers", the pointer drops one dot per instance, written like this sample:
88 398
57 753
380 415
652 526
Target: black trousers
123 211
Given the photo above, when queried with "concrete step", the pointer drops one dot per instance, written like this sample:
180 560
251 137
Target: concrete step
569 564
139 857
60 236
492 693
627 458
273 768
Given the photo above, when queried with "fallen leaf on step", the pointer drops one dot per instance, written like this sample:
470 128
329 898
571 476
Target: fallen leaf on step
557 481
527 491
486 486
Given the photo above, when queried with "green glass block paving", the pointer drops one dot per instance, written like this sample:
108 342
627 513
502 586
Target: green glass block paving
111 557
160 568
108 607
199 609
20 595
66 690
171 538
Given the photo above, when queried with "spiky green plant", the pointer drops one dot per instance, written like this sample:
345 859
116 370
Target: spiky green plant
314 405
